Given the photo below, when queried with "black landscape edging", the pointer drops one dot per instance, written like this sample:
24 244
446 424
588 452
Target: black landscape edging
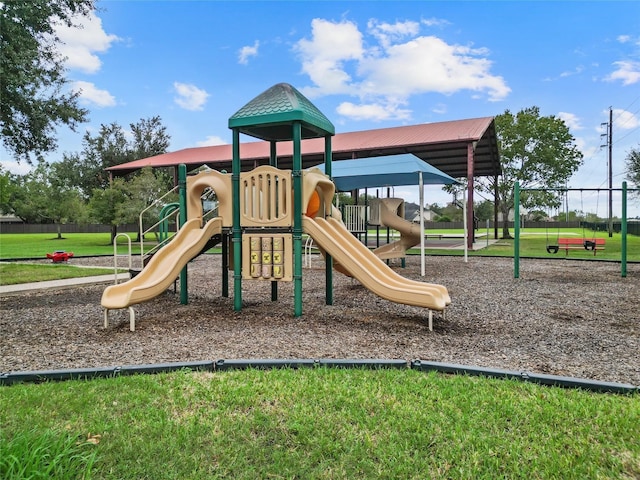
539 378
38 376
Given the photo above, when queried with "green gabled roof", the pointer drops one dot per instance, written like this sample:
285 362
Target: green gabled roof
270 115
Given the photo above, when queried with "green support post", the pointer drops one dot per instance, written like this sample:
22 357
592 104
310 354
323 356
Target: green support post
225 265
273 161
182 192
328 258
623 231
237 232
297 218
516 241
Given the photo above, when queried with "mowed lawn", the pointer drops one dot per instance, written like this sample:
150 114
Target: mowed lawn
316 423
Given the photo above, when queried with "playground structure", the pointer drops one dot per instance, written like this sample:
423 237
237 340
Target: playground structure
264 212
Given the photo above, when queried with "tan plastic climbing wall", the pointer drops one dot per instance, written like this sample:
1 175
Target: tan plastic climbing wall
266 198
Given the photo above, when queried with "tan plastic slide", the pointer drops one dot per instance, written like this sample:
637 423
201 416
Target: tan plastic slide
409 232
164 267
332 236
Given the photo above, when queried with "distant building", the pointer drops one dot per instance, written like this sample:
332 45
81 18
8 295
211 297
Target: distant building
428 215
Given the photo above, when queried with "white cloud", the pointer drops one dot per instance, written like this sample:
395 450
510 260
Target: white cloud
246 52
571 120
386 33
372 111
624 120
390 65
435 22
90 94
324 55
211 140
428 64
627 71
576 71
16 168
189 96
80 44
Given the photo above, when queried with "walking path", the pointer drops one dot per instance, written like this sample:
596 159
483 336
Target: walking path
64 283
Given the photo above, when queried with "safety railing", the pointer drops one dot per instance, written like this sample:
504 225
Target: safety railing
115 254
143 232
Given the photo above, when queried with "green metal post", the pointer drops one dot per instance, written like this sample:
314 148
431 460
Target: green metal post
516 241
182 192
236 230
297 218
225 265
623 262
328 258
273 161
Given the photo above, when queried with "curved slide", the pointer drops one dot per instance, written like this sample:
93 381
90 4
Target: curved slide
409 232
332 236
164 267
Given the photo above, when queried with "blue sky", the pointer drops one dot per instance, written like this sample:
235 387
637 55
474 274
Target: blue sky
364 64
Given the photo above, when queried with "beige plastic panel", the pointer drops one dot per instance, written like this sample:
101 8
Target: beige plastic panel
267 257
266 198
219 183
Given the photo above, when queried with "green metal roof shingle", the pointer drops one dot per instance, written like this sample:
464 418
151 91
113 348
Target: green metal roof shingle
269 116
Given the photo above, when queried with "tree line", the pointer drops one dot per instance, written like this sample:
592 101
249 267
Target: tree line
78 189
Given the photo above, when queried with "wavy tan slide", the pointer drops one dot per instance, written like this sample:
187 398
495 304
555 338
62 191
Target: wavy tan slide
409 232
332 236
164 267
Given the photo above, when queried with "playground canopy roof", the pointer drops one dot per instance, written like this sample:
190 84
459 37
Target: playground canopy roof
445 145
271 114
392 170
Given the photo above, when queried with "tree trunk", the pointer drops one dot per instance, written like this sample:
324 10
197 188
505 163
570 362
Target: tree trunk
114 232
59 232
505 223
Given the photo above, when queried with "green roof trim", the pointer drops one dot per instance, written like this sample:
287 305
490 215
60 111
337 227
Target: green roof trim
270 115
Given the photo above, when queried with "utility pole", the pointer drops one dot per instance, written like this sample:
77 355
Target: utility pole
609 144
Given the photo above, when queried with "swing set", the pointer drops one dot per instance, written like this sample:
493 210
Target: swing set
565 243
593 243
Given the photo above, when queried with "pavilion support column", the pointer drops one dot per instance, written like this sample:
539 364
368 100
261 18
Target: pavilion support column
470 169
495 207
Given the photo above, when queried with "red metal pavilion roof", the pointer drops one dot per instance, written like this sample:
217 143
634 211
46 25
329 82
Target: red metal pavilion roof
441 144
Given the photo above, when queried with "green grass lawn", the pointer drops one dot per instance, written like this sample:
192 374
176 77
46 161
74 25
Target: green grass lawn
37 245
534 242
319 423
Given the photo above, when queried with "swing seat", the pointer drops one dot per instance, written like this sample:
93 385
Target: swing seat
593 245
553 248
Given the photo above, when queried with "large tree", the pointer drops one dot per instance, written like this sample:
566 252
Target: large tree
536 151
33 97
124 201
39 197
633 167
112 145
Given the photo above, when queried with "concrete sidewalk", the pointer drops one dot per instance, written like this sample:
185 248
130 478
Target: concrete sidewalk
64 283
